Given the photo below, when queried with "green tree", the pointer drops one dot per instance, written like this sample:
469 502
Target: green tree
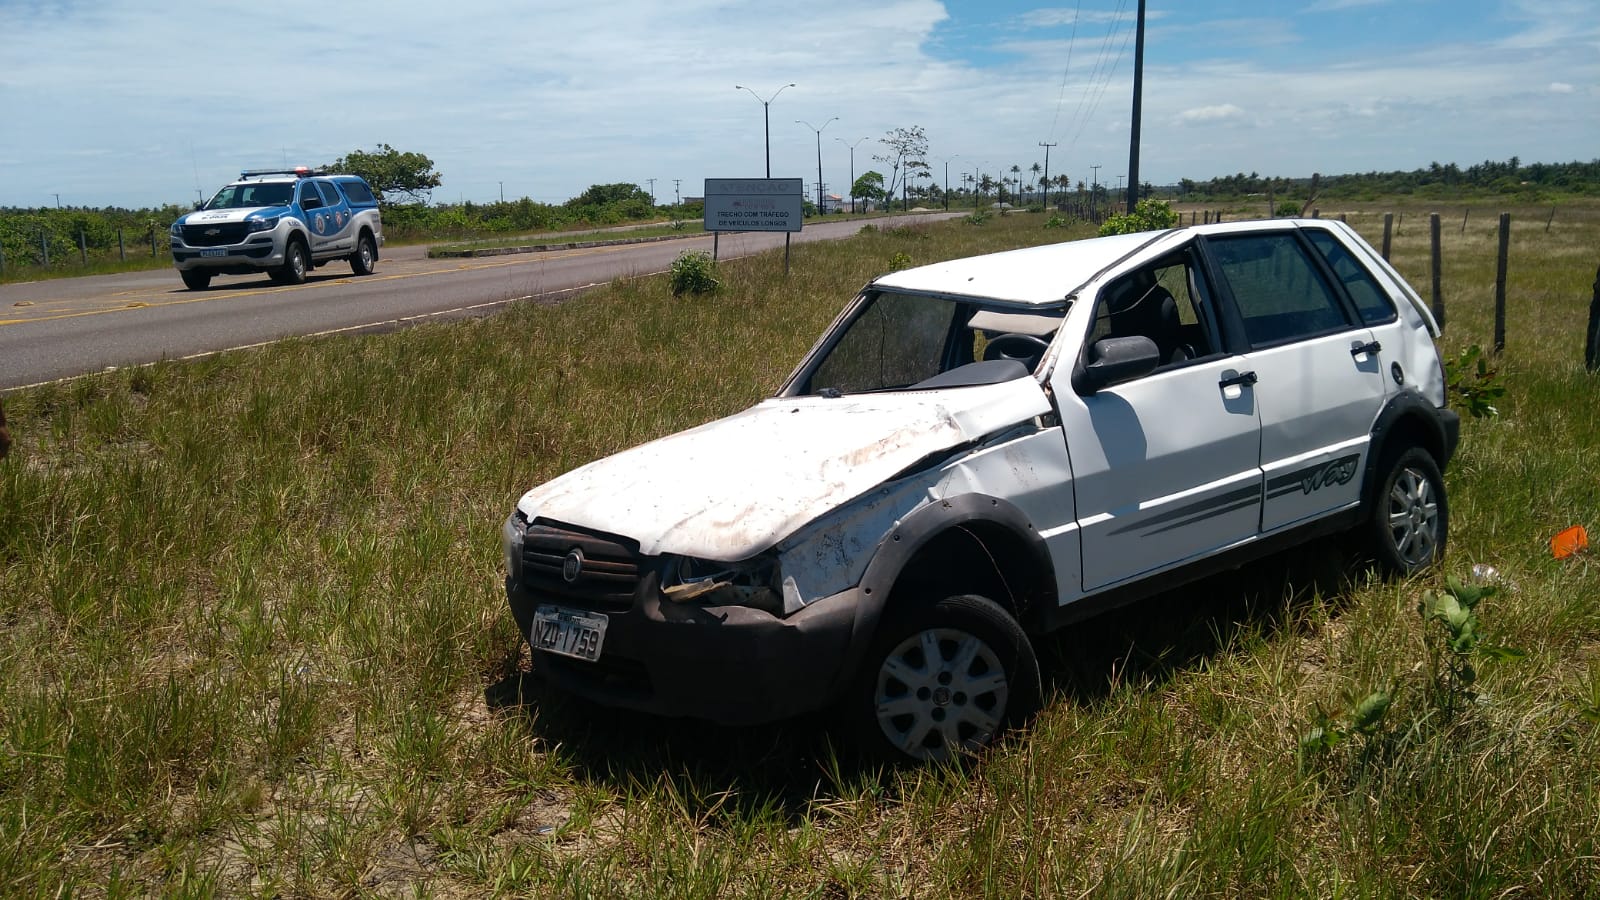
398 177
906 151
602 194
870 187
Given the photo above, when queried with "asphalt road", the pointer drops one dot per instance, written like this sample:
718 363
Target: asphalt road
57 329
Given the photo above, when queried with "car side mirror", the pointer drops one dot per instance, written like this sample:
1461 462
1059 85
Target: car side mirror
1115 360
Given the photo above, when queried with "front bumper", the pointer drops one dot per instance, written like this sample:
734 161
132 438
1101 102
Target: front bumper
732 665
261 250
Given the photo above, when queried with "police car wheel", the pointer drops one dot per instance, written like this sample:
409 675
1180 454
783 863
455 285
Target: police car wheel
196 280
365 260
294 268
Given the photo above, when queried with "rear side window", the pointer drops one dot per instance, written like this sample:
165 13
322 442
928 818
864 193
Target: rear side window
1371 300
1279 292
330 196
357 191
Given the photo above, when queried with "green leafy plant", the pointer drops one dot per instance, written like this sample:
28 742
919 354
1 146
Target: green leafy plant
1363 718
1055 222
1456 643
977 217
1287 209
1472 382
899 261
1149 215
694 272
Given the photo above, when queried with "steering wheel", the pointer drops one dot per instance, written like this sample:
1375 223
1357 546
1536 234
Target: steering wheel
1024 348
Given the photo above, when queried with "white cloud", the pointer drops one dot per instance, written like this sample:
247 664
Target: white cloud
1225 112
1560 87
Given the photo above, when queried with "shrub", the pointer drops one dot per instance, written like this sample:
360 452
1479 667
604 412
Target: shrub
1149 215
694 272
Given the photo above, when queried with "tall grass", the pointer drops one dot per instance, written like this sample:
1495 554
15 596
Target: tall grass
255 643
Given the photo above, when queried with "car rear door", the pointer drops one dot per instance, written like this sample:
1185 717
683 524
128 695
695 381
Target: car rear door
1316 371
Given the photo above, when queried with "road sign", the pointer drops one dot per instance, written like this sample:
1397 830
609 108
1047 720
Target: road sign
754 204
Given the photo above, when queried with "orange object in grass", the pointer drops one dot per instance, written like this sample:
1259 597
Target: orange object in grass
1569 542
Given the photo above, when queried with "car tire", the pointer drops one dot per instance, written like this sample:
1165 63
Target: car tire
196 279
365 260
295 264
1410 517
943 681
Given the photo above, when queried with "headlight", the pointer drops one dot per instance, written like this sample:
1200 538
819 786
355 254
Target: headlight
176 230
264 224
511 543
753 582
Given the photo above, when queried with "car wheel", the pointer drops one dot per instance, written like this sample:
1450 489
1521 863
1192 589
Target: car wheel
1411 517
196 279
294 268
944 681
365 260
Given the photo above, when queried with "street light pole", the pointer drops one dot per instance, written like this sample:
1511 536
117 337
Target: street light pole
819 155
766 118
1046 147
852 171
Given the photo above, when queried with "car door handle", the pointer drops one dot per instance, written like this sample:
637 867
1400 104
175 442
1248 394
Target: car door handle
1371 347
1243 379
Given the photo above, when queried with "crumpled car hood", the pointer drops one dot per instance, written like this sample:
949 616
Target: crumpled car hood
732 488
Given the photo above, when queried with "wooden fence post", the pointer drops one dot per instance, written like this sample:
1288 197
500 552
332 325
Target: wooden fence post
1388 234
1551 219
44 248
1591 344
83 247
1316 212
1438 297
1500 283
122 249
1464 220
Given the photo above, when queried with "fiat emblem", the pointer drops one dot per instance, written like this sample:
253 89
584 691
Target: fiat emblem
572 566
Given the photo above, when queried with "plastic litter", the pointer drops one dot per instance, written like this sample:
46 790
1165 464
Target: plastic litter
1569 541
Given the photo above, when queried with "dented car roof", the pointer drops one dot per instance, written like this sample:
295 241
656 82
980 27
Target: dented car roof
1032 275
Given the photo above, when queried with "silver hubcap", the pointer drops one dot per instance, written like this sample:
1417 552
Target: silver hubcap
940 690
1413 518
366 255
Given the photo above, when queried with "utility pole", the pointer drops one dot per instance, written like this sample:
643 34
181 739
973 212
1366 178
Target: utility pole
947 180
1138 95
652 190
766 118
852 170
677 199
58 199
502 192
1046 173
1094 193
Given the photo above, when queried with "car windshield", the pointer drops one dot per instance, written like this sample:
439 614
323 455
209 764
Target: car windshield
252 194
897 341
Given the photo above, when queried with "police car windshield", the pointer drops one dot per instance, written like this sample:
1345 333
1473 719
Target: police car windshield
250 194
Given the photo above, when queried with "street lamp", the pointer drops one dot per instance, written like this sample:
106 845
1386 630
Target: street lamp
766 119
819 156
852 171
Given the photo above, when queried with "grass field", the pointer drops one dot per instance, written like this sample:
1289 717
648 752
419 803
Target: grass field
254 640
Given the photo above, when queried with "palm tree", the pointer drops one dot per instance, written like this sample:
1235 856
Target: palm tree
1036 169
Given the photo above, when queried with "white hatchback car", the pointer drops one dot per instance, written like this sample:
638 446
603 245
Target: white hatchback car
980 451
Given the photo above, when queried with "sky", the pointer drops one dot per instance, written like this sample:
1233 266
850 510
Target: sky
138 104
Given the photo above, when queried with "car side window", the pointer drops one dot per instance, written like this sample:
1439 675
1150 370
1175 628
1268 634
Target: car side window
330 194
1279 293
1372 302
1164 302
309 199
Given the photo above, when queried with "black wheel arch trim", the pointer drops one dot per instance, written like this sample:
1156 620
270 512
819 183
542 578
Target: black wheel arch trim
1441 427
911 535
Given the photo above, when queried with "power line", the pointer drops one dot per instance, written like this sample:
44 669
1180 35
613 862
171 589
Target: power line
1065 70
1106 81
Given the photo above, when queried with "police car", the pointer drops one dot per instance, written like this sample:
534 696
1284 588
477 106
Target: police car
284 222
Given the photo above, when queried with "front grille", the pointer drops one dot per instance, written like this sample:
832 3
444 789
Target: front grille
226 234
609 575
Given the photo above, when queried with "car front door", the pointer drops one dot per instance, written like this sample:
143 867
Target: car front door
316 217
1318 375
336 208
1166 467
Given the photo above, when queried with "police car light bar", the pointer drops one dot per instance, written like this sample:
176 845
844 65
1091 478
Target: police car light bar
299 171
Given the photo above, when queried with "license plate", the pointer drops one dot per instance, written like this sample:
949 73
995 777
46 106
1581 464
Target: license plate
213 253
568 632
